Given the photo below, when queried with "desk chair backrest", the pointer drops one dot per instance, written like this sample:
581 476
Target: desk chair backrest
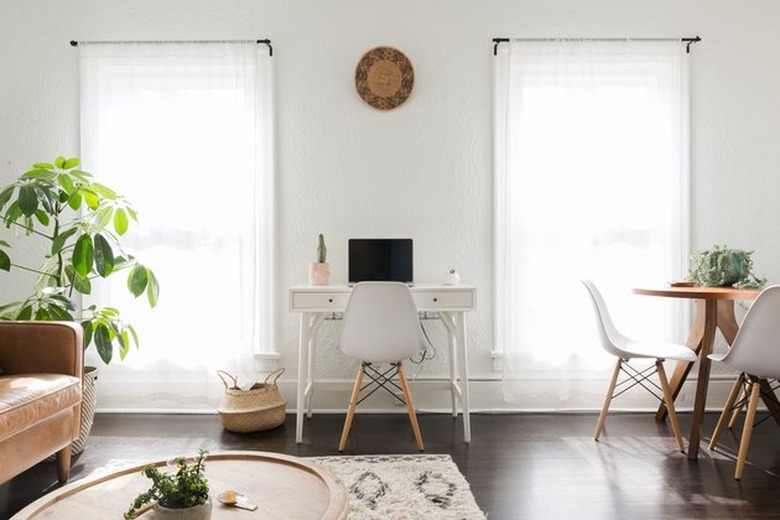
610 337
756 349
381 323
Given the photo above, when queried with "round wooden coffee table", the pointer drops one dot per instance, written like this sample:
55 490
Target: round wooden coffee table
284 487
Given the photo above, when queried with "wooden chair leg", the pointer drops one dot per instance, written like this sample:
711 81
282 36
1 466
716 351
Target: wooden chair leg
410 407
351 410
747 431
63 464
743 398
669 402
726 409
607 400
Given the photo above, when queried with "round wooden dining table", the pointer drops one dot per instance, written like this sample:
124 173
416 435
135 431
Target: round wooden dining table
714 311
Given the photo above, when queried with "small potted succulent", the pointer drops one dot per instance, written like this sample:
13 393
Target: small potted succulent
319 271
176 496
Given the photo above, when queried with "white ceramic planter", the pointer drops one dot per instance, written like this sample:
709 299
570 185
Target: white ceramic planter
319 273
201 512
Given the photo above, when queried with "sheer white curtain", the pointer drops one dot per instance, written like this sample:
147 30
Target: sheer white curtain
184 131
591 181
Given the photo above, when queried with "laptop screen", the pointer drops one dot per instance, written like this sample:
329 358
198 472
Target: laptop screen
380 260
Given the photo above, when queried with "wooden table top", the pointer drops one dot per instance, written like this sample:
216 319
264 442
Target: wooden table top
284 487
700 293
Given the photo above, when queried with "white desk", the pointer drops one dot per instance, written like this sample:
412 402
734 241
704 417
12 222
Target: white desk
450 302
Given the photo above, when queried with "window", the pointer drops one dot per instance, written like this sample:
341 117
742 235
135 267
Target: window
591 182
183 130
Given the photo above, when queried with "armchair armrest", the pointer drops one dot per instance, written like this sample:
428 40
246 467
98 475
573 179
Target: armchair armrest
41 346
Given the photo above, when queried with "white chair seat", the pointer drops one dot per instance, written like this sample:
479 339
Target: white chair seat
652 350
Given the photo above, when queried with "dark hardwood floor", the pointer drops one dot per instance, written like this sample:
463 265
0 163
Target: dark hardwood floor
518 465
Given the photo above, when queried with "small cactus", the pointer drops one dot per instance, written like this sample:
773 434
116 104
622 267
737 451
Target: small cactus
322 251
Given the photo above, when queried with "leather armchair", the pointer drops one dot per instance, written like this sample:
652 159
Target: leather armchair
41 365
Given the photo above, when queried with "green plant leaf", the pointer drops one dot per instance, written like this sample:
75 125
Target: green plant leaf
42 217
59 162
70 163
90 197
28 202
39 173
25 314
60 314
83 255
59 241
87 326
81 175
103 343
82 285
133 334
43 166
120 221
6 195
104 256
42 315
103 217
5 261
103 191
152 288
13 214
65 181
137 280
75 201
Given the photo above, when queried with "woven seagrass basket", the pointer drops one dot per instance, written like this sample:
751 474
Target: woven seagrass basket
259 408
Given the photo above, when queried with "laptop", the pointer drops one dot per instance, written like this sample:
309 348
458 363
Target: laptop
380 260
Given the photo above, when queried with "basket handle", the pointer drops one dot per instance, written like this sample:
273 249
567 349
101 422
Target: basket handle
278 372
222 374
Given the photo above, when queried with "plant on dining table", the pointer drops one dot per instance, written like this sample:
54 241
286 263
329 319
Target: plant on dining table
81 223
722 266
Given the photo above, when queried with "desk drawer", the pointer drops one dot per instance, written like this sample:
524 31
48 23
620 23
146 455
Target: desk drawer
311 301
444 300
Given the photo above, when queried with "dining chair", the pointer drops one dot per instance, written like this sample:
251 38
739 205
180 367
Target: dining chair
380 328
625 349
755 354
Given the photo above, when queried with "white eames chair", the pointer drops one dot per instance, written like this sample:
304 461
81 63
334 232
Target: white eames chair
626 349
381 327
755 354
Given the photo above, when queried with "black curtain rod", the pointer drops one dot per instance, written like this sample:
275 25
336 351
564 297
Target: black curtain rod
267 42
687 41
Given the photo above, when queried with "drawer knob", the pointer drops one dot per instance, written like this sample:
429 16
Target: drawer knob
330 300
435 299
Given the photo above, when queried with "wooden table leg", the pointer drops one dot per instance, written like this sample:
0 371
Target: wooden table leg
683 367
710 326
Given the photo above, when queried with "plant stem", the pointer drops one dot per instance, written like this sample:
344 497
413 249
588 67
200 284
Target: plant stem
23 268
33 231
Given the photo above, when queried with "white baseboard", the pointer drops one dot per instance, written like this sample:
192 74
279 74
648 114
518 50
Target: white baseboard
486 395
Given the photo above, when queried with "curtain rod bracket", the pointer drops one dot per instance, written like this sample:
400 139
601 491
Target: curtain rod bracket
74 43
496 43
690 41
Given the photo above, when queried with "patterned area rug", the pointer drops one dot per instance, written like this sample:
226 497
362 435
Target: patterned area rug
403 487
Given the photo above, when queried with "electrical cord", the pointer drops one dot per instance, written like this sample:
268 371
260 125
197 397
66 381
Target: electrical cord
429 352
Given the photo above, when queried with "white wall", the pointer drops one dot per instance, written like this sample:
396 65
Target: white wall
423 170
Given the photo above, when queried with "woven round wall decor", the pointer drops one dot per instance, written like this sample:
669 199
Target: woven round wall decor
384 78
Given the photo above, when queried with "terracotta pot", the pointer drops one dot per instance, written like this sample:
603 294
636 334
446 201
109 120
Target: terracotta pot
319 273
201 512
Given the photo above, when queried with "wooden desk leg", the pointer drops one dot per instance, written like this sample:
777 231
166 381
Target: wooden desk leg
683 367
710 325
727 322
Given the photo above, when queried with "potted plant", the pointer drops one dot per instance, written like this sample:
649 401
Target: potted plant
319 271
180 495
80 223
724 267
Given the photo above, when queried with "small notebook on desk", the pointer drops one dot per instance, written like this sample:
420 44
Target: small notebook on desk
380 260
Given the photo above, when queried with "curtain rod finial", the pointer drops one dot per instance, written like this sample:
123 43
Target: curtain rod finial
74 43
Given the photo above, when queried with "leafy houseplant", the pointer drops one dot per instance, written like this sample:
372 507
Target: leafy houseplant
319 271
188 487
82 221
724 267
